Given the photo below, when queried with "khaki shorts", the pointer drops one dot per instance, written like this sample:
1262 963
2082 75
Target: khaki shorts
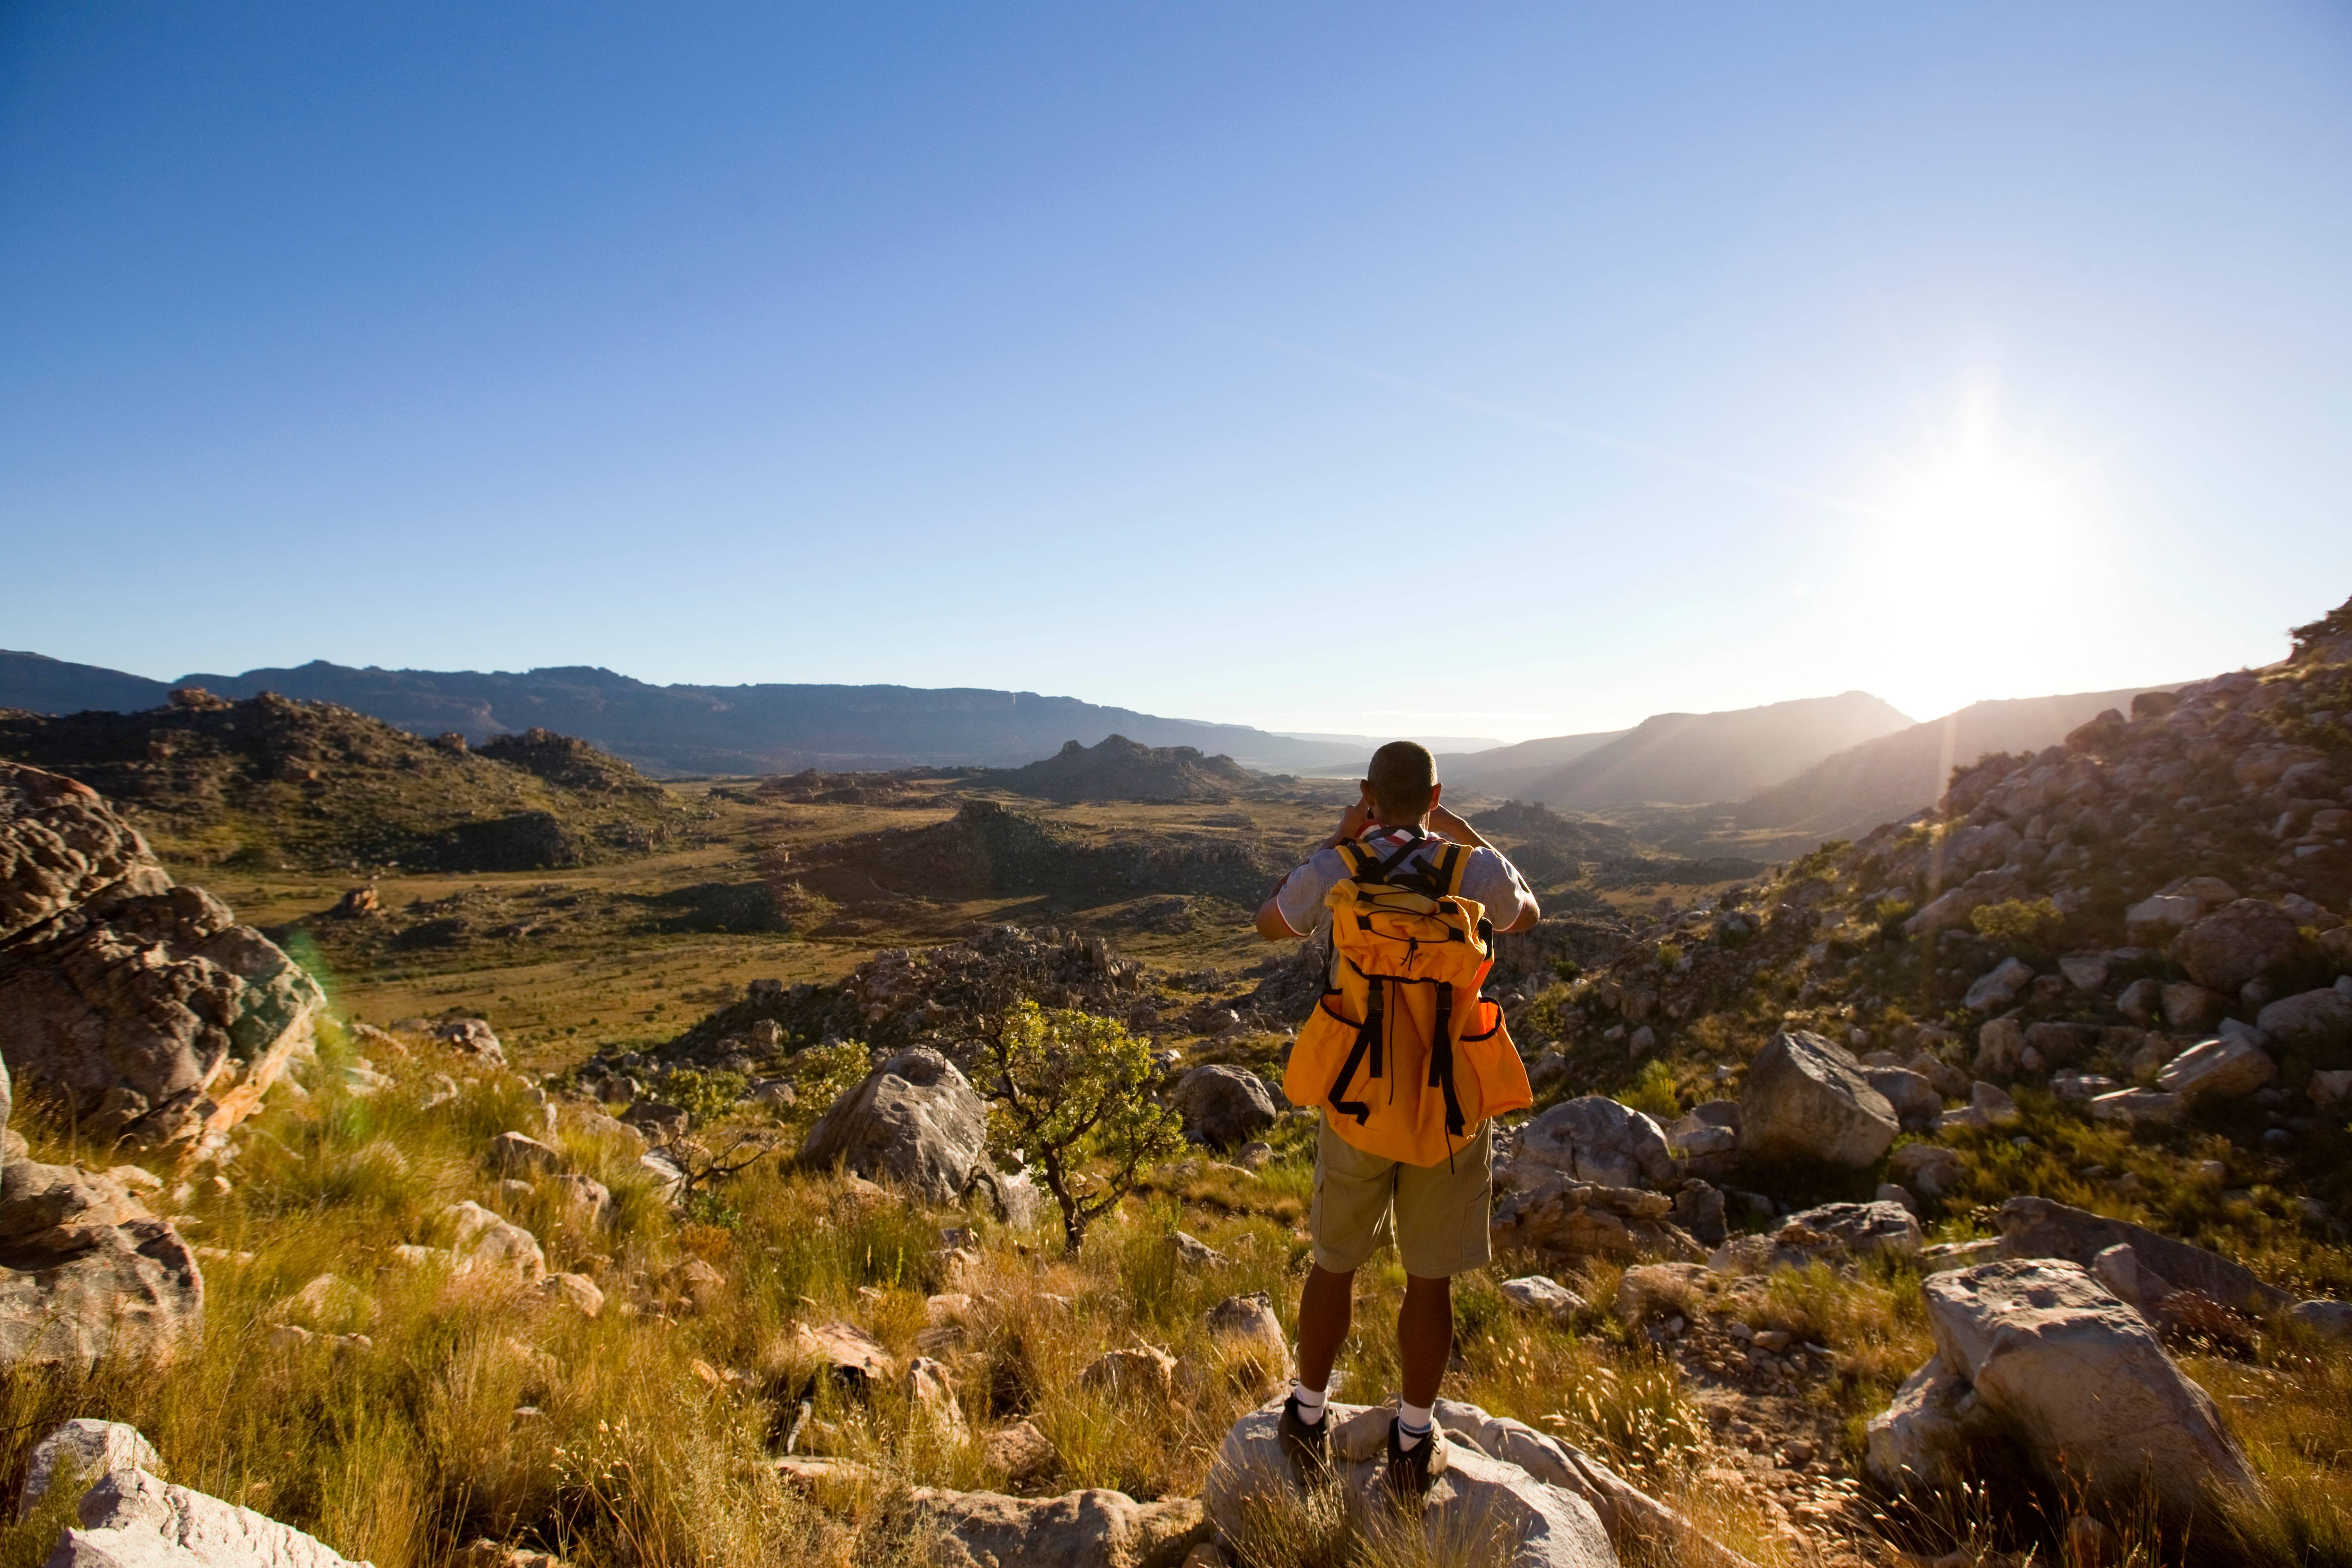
1437 1216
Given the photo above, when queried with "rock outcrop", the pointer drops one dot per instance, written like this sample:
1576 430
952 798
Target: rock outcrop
914 1120
86 1271
144 1007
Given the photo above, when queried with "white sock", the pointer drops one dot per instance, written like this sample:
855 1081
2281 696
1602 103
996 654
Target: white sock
1312 1403
1414 1423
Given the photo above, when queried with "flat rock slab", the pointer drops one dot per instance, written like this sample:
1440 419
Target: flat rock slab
132 1520
2038 1228
1481 1508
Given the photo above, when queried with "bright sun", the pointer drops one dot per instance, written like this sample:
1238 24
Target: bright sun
1979 540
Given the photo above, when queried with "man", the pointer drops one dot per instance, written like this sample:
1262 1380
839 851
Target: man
1437 1214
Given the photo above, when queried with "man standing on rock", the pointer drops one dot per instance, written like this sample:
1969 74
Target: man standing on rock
1407 1063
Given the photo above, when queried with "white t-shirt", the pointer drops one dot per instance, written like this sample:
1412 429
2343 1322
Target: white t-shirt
1488 878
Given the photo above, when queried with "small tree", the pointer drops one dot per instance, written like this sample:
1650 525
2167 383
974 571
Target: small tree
1071 1099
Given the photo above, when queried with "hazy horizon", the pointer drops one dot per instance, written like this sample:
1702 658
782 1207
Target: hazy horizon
1606 364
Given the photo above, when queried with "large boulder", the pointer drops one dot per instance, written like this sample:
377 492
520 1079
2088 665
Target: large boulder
153 1016
132 1520
1092 1529
1518 1520
2038 1228
914 1120
1223 1107
2316 1021
86 1272
2074 1377
1592 1139
1807 1099
2241 942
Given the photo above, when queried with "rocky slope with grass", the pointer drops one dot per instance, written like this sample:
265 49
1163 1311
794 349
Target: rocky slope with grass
1117 768
1971 1193
272 781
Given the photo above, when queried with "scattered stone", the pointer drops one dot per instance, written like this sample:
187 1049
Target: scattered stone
2226 1067
1138 1372
2188 1006
586 1201
487 1244
1866 1230
1223 1107
848 1352
93 1448
1195 1253
1998 986
2084 971
931 1396
2332 1319
1249 1336
914 1119
577 1291
1544 1295
1914 1098
2081 1087
1591 1138
2134 1106
2142 1001
1586 1219
1019 1452
2242 941
1930 1168
518 1154
1807 1099
2314 1021
1092 1529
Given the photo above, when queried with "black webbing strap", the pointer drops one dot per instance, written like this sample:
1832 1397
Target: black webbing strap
1440 1060
1368 1042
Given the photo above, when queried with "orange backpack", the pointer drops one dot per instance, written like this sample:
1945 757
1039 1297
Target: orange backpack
1404 1055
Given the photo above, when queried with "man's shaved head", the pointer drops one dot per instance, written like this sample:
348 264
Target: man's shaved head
1402 776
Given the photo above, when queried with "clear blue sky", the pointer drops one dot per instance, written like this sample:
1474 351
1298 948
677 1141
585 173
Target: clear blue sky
1506 370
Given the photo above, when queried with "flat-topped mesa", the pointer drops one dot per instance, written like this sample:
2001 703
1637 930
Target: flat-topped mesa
144 1008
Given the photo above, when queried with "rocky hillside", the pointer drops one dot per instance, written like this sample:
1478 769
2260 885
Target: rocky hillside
1882 780
1120 769
1686 758
272 781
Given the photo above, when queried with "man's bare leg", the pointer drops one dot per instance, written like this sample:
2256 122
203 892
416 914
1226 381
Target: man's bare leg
1327 1305
1424 1344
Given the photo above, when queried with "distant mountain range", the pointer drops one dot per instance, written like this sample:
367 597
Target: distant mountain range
1677 759
675 730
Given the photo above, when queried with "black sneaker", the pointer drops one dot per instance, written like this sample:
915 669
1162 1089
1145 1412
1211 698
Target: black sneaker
1308 1448
1408 1472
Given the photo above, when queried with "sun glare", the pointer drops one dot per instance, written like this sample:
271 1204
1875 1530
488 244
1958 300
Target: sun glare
1981 538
